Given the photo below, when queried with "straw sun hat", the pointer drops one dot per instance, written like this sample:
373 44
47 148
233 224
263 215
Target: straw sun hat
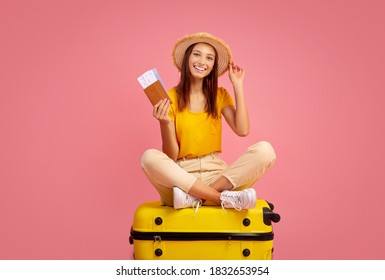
223 50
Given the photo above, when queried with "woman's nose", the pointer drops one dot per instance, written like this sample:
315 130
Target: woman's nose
202 60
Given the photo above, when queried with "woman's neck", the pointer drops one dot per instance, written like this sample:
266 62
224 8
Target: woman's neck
197 100
196 86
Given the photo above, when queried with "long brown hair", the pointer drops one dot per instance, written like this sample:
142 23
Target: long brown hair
209 87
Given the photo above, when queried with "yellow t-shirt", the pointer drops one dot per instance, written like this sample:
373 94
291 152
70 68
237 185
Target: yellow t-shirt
198 134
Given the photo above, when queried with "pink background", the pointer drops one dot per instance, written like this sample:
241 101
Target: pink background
74 121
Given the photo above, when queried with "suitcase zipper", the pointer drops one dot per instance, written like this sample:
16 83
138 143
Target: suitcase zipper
191 236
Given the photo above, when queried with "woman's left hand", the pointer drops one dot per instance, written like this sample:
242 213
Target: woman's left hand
236 75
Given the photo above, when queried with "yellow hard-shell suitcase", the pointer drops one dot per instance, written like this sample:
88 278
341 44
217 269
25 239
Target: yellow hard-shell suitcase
163 233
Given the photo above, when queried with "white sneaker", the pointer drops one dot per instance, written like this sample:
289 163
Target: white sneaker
239 200
185 200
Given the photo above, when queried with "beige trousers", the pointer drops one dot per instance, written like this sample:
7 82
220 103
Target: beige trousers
164 173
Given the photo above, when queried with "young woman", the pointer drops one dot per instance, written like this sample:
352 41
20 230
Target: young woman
189 170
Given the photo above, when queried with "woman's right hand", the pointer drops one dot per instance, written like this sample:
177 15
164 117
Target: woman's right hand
160 111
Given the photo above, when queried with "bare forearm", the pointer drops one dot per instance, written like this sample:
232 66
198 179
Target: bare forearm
239 120
242 122
169 142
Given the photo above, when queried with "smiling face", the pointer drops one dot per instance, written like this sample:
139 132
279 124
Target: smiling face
201 60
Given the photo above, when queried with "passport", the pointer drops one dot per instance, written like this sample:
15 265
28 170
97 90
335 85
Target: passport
153 86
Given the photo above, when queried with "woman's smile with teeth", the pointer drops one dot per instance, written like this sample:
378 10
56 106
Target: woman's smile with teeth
200 68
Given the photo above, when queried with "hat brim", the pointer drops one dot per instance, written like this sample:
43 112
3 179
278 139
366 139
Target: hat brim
224 57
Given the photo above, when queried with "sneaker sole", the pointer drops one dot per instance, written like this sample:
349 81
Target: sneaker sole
252 195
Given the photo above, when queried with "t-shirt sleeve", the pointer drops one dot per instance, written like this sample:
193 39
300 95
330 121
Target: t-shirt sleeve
225 97
172 112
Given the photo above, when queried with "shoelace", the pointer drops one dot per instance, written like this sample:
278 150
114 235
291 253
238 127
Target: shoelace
233 199
194 202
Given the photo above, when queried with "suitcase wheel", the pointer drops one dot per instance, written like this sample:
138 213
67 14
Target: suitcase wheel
270 216
271 205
